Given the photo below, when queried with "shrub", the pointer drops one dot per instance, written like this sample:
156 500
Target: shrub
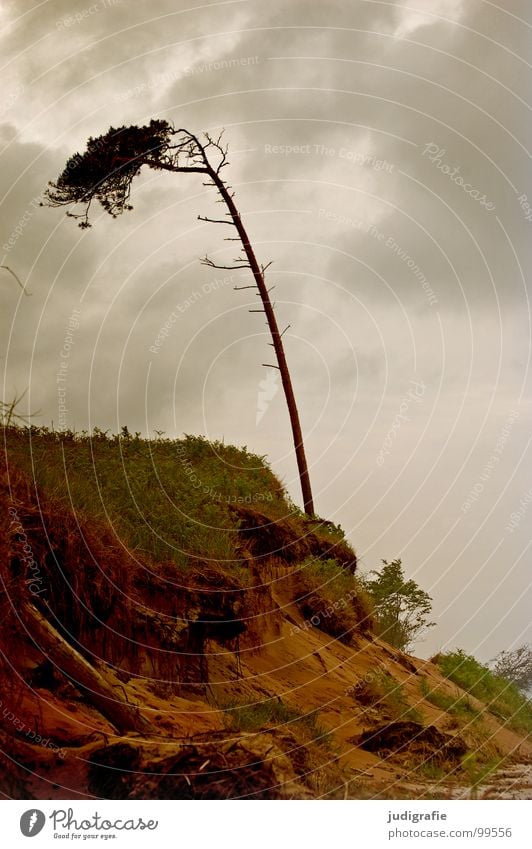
382 692
501 697
401 607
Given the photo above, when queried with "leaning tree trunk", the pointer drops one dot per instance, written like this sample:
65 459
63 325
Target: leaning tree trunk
277 341
106 170
124 716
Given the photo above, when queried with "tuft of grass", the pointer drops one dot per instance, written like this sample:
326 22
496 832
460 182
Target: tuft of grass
502 698
477 770
307 743
382 692
257 716
324 530
432 770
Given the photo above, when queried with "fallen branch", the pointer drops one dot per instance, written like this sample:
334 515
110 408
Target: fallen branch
124 716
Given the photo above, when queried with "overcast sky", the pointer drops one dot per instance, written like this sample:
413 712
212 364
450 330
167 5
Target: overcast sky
379 158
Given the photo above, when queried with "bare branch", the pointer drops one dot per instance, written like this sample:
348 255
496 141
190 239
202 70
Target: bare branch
9 414
216 221
7 268
209 262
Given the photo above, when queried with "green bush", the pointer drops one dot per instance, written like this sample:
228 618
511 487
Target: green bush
502 698
401 607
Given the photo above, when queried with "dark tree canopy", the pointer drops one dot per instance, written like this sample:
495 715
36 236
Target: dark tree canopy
107 168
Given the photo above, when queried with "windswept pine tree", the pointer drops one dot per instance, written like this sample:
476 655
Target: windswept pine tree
105 172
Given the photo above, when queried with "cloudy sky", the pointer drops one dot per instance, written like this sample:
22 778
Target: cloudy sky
379 158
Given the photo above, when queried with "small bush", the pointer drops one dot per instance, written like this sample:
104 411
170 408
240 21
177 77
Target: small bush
382 692
401 607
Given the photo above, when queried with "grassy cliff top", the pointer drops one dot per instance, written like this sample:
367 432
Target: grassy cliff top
166 500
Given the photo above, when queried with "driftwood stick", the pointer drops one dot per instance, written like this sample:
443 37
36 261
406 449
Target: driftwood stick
124 716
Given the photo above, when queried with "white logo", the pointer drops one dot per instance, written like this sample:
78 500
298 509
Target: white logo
268 389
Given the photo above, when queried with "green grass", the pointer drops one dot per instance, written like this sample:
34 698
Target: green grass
325 530
501 698
167 499
433 771
382 692
395 699
256 716
310 745
478 770
461 707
